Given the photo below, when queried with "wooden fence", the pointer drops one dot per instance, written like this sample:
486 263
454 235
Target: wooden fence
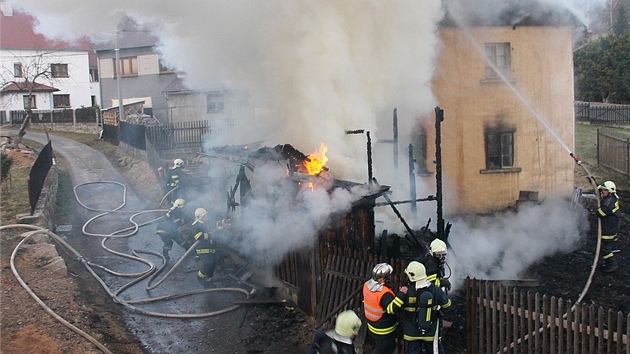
601 113
178 135
613 150
504 320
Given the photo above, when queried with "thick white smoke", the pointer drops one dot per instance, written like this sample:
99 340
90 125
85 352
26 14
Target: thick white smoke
319 68
503 246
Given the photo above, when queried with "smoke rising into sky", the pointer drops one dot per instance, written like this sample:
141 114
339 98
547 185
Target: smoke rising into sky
320 68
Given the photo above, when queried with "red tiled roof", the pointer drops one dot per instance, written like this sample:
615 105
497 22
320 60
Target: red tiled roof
23 87
17 32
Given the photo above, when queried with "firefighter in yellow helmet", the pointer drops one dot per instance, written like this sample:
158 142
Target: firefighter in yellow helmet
206 249
168 228
341 339
378 298
434 262
422 302
174 180
608 213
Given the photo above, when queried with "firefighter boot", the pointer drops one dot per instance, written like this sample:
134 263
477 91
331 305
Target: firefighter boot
165 254
206 282
610 264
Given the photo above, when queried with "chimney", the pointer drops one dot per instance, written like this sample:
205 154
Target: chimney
7 9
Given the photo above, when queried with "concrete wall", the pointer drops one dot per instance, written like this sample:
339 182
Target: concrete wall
542 75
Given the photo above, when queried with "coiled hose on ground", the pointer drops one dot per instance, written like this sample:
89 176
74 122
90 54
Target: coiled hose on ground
151 271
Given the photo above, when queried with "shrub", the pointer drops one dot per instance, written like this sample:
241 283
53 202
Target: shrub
5 165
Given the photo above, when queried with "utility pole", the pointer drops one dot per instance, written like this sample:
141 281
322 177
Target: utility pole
121 108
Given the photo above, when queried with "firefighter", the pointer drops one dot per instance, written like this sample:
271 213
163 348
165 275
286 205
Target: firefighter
173 179
168 228
434 262
378 298
206 249
422 302
341 339
608 212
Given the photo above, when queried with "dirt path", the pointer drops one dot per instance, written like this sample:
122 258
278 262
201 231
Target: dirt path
263 329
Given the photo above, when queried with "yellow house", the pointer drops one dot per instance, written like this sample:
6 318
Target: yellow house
508 129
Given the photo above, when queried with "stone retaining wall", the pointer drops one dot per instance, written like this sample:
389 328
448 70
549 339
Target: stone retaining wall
91 128
44 213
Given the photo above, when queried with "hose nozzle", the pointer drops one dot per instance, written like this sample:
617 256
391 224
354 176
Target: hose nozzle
576 159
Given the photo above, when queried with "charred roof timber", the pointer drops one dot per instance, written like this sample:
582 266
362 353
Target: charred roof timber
511 13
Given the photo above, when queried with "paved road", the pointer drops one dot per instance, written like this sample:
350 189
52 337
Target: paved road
221 334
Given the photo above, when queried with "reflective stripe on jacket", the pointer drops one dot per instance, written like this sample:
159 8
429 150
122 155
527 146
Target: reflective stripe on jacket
378 309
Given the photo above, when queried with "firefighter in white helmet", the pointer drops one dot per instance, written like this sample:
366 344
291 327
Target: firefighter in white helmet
608 213
174 180
168 228
434 262
341 339
206 249
378 298
421 303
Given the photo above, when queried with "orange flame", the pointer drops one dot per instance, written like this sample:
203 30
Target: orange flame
316 161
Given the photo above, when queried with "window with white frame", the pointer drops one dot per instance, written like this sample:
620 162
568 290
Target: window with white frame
29 102
499 149
214 103
17 70
61 101
59 70
498 60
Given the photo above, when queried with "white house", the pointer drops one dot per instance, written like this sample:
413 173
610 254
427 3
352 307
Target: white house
70 80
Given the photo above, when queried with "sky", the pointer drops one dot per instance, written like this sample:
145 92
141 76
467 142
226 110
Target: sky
321 67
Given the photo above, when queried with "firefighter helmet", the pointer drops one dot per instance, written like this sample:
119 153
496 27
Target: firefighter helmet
347 324
438 248
179 203
178 163
416 271
381 270
200 213
609 186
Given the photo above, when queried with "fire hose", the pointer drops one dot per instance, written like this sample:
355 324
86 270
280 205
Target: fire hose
75 255
591 179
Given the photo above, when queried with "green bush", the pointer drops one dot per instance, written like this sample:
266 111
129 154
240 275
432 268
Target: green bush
5 165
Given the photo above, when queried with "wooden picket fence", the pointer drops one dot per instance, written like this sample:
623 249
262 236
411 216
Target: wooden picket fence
613 150
506 320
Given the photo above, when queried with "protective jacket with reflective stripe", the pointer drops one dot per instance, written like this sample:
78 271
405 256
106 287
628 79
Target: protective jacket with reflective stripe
608 212
201 232
409 308
379 310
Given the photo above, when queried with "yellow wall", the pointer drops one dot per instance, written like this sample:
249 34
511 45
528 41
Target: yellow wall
542 73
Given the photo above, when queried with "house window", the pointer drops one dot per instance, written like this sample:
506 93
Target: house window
17 70
497 59
29 103
129 66
94 75
499 149
59 70
61 101
215 103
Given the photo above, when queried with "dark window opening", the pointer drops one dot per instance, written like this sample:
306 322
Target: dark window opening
499 149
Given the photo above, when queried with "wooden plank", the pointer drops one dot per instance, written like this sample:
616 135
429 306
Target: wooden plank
552 325
561 327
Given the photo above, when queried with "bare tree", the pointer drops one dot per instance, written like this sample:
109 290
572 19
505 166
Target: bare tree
35 71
